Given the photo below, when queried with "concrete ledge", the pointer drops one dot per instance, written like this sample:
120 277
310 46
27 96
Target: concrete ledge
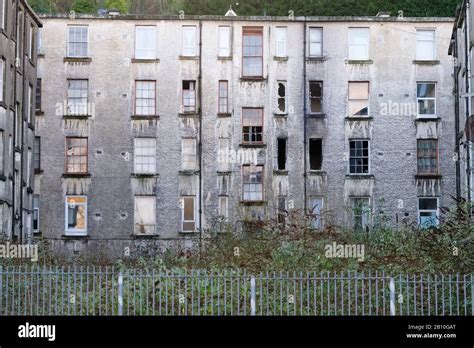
360 62
253 79
77 60
316 115
280 59
251 203
428 176
358 118
76 175
188 58
144 117
255 145
427 119
360 176
77 116
317 172
276 114
426 62
316 59
224 58
280 172
145 236
145 61
188 114
224 114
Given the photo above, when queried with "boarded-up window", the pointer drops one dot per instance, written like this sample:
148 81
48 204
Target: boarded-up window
252 125
425 44
316 96
76 155
252 177
188 154
315 42
359 43
315 154
358 98
145 98
224 41
76 215
189 214
189 96
145 155
252 57
427 156
145 42
280 42
223 97
145 215
189 41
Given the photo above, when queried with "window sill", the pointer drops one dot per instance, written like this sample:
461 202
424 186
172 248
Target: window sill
316 172
316 59
428 176
427 119
224 58
145 61
226 172
188 114
280 172
143 117
39 171
359 118
360 62
3 178
278 114
426 62
224 114
144 176
3 105
253 79
316 115
187 233
256 145
31 126
280 59
76 117
40 55
250 203
188 57
360 176
39 113
145 236
77 59
76 175
75 236
189 172
29 190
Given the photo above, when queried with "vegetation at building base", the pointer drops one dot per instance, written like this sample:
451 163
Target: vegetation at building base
410 8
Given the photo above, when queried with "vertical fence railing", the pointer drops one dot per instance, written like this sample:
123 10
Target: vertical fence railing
97 291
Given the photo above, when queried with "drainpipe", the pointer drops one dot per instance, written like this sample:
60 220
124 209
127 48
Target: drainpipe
468 89
14 119
305 174
200 136
456 121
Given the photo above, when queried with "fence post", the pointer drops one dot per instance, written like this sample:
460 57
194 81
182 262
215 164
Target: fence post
252 295
120 293
392 296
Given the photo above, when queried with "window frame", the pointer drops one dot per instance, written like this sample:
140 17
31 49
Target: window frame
37 154
69 42
320 98
224 215
420 40
184 163
321 154
244 183
188 108
29 104
86 156
3 78
311 212
154 225
354 214
418 157
184 49
71 101
351 44
36 210
220 49
223 98
284 97
3 17
428 211
153 55
38 92
360 157
284 42
76 232
349 99
320 43
194 220
154 107
281 212
250 133
255 31
137 156
418 99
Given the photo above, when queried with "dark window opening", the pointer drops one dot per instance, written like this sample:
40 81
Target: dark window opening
281 97
315 154
281 154
316 96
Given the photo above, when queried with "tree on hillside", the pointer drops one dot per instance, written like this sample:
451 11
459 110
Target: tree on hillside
122 5
84 6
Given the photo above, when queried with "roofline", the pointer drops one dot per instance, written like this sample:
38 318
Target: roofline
32 13
256 18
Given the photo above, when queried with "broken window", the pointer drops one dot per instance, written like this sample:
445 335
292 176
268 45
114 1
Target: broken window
252 58
145 155
315 42
76 215
358 98
145 98
224 41
38 95
280 41
145 215
359 43
145 42
427 156
76 155
78 37
223 97
189 96
315 209
189 41
224 207
425 44
282 96
426 97
358 156
189 214
360 213
36 213
252 177
281 153
316 96
282 212
3 79
188 154
315 154
428 212
77 97
252 125
37 154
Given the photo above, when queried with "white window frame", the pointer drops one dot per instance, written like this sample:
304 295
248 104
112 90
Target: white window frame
69 43
36 209
141 158
189 51
147 49
73 106
428 210
421 38
354 44
152 200
319 224
183 221
313 43
247 193
75 232
281 42
426 99
2 78
355 100
142 86
224 207
224 48
185 154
